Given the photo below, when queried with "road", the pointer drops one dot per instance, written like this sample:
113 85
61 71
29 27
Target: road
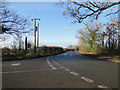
66 70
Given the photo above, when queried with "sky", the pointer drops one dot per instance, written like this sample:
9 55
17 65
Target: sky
55 29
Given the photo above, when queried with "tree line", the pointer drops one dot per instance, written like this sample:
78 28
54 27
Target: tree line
97 37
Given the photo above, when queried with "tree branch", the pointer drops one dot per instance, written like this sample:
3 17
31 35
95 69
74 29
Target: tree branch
87 9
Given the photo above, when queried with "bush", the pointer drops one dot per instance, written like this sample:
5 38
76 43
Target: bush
45 50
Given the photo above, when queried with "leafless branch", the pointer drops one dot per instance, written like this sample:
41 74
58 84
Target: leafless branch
82 10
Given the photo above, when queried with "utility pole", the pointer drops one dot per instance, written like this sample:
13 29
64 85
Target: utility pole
35 29
38 38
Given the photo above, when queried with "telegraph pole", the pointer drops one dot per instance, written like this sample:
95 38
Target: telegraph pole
38 39
35 29
38 35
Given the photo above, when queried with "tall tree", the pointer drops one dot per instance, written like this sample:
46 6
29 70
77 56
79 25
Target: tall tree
90 35
111 33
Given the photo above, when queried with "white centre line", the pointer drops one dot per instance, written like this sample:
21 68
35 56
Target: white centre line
54 68
15 64
66 69
50 64
102 86
86 79
74 73
60 66
56 63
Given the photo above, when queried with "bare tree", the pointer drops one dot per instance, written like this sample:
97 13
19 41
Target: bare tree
91 35
111 33
12 23
82 10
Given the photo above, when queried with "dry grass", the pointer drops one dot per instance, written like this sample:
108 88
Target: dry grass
105 57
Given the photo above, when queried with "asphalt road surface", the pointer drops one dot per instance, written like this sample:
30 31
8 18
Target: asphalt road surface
67 70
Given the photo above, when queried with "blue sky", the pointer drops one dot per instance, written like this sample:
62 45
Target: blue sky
55 29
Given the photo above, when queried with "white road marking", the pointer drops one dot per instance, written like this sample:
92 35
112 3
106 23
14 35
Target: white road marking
23 71
66 69
86 79
102 86
56 63
15 64
50 64
54 68
60 66
74 73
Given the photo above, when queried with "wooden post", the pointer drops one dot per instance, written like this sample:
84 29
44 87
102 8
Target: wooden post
25 45
35 36
38 39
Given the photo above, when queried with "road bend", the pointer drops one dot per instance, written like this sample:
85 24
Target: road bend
66 70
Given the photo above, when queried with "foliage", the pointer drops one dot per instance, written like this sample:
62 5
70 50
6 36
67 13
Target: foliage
98 38
90 36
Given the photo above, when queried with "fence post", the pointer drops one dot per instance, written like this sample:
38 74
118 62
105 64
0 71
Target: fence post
25 45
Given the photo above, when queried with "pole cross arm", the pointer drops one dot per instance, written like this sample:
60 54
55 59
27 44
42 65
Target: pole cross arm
35 19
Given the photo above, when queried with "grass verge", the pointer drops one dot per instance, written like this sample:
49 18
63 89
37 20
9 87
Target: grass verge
115 58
